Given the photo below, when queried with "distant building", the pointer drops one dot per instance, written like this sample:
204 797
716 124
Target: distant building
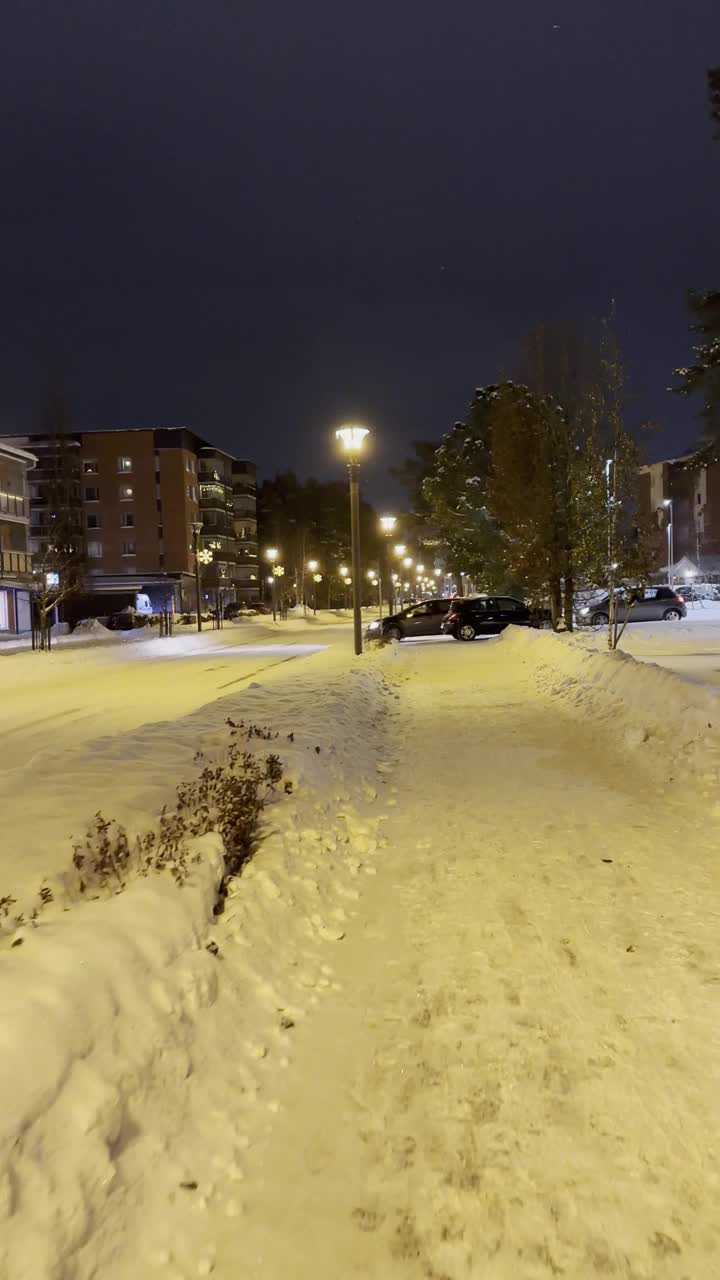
137 493
15 558
244 483
694 492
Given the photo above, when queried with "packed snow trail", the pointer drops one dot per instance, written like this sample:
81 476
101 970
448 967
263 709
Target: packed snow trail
518 1076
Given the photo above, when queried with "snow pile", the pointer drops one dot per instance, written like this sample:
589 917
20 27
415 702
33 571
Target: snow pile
672 727
91 627
135 1028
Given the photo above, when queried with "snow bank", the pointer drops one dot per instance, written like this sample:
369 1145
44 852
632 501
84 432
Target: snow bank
89 1012
672 727
131 1055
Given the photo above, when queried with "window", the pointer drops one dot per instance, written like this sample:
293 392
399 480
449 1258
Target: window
158 504
128 547
92 521
127 520
94 550
126 492
90 467
508 605
124 465
192 492
92 494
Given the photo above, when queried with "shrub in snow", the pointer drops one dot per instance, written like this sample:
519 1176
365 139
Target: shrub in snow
227 797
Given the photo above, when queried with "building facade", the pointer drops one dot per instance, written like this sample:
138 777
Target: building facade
15 558
244 485
136 495
684 497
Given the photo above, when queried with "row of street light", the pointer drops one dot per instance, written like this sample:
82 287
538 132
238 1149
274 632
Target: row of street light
352 439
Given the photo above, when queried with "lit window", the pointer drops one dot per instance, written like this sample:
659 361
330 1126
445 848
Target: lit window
125 465
92 494
128 548
126 493
92 521
127 520
90 467
94 550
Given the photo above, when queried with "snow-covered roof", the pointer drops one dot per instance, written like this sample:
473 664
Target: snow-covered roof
18 455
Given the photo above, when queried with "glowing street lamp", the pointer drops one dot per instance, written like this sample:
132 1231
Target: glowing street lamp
399 549
352 439
668 502
272 554
387 528
407 562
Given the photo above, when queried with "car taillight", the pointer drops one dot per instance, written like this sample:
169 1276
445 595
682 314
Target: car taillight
453 617
680 599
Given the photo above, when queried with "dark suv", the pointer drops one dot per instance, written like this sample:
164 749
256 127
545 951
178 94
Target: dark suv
484 616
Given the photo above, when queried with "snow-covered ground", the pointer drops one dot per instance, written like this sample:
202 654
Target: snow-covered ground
462 1020
690 648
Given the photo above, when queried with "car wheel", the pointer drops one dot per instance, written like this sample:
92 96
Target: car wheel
672 615
600 619
393 633
466 631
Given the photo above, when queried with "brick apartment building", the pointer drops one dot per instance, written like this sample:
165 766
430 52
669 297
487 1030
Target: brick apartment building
15 560
136 494
694 492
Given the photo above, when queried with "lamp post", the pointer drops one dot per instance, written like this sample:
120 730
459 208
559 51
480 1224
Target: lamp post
387 528
352 439
376 581
271 555
196 531
316 577
668 502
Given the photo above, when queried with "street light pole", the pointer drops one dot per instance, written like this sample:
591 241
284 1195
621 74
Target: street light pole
352 439
668 502
387 525
196 530
271 555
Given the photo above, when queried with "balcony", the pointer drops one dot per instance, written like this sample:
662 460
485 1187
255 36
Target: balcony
13 506
15 564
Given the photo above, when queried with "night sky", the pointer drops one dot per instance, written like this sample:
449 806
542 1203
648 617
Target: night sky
259 218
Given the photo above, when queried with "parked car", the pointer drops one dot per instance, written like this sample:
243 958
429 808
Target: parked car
655 604
485 616
423 619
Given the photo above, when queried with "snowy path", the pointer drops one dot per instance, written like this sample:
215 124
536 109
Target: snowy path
518 1078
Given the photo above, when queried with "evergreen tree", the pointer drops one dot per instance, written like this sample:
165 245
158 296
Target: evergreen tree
702 377
455 494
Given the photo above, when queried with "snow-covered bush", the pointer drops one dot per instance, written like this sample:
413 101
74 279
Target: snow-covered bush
227 797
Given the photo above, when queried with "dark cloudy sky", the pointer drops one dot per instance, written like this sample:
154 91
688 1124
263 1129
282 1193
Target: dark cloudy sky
257 217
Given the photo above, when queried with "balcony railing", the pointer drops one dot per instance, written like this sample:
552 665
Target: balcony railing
12 505
15 564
